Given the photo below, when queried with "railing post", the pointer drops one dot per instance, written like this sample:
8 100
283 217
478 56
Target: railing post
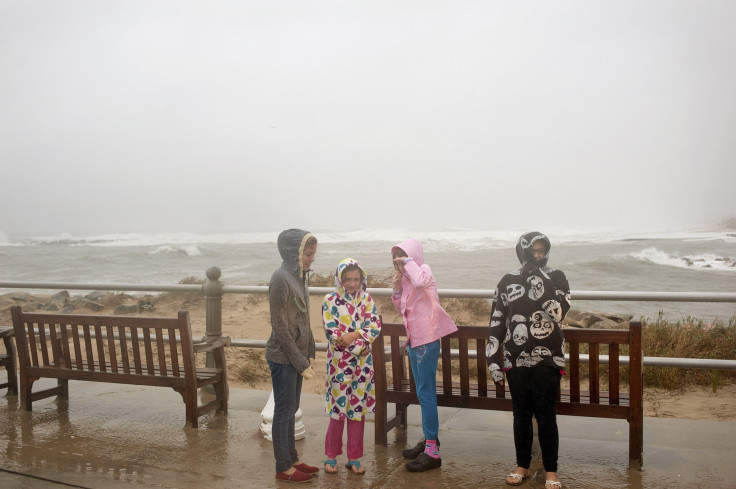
213 303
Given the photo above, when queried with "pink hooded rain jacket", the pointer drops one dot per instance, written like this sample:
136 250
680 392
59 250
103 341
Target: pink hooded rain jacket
424 318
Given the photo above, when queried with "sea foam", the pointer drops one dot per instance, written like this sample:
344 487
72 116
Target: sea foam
700 261
192 250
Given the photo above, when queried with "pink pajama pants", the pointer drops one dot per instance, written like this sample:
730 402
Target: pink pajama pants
333 438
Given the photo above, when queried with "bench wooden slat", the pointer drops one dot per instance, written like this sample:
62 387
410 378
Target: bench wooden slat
43 344
613 373
32 341
464 367
65 347
125 361
173 352
398 364
161 352
100 343
574 372
594 372
77 345
446 362
149 351
135 346
480 352
111 348
406 367
88 344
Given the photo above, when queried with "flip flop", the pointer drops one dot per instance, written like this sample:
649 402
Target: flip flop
353 466
332 463
548 484
518 479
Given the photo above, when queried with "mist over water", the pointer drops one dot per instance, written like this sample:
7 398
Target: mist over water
460 259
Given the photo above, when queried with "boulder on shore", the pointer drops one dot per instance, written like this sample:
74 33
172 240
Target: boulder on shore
597 320
123 309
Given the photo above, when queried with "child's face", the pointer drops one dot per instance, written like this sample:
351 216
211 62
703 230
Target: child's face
397 253
538 251
308 257
351 281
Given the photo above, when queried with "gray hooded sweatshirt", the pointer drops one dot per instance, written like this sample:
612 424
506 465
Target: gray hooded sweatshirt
291 340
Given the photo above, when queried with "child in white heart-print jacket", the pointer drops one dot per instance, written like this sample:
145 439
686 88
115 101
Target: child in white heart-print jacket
351 323
528 307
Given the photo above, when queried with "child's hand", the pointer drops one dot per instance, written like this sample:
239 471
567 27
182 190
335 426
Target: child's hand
347 339
399 262
308 373
397 281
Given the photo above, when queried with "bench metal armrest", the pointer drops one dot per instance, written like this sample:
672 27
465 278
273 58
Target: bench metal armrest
212 345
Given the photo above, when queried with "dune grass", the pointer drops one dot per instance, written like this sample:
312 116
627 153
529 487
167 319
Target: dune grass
688 338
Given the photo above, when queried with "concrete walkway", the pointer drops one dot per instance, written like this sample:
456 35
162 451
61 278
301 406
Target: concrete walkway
111 436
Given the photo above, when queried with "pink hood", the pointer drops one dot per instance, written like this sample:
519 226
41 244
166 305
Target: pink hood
425 319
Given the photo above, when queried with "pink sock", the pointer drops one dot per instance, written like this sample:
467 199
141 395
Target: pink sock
431 449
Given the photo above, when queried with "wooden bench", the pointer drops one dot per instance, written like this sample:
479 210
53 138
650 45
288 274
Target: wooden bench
400 390
117 349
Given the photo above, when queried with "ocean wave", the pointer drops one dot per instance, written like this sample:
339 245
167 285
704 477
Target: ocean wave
144 239
192 250
452 238
705 261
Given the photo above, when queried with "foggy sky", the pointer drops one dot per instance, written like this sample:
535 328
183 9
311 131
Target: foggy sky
194 116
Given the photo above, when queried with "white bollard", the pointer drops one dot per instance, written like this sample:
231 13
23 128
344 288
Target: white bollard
267 421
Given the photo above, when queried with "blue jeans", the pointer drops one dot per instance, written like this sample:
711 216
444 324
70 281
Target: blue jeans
423 361
287 388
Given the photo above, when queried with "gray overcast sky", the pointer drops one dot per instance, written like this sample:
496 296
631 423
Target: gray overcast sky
197 116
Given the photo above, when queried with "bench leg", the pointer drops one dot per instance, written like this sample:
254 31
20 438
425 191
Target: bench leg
381 420
26 392
63 385
222 393
636 442
402 413
192 408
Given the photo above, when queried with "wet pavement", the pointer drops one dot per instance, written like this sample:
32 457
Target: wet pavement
111 436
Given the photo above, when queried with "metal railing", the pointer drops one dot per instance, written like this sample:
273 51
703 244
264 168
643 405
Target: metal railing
213 291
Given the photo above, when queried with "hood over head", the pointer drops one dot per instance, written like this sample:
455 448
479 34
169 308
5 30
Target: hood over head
412 248
523 248
338 278
291 244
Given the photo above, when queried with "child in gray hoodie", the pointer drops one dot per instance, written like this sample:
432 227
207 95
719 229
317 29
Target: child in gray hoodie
290 347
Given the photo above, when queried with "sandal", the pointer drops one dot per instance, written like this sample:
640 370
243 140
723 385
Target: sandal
517 479
355 468
548 484
332 463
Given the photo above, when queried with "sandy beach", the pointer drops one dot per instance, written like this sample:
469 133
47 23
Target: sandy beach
247 317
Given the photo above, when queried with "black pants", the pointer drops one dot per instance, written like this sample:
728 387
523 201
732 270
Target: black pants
534 392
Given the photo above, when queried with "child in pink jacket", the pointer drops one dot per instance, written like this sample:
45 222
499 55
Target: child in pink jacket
415 297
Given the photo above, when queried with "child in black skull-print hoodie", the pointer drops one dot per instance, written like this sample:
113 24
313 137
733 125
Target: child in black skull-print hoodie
526 342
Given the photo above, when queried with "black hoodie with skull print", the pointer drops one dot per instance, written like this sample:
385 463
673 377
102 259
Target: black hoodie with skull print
528 307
